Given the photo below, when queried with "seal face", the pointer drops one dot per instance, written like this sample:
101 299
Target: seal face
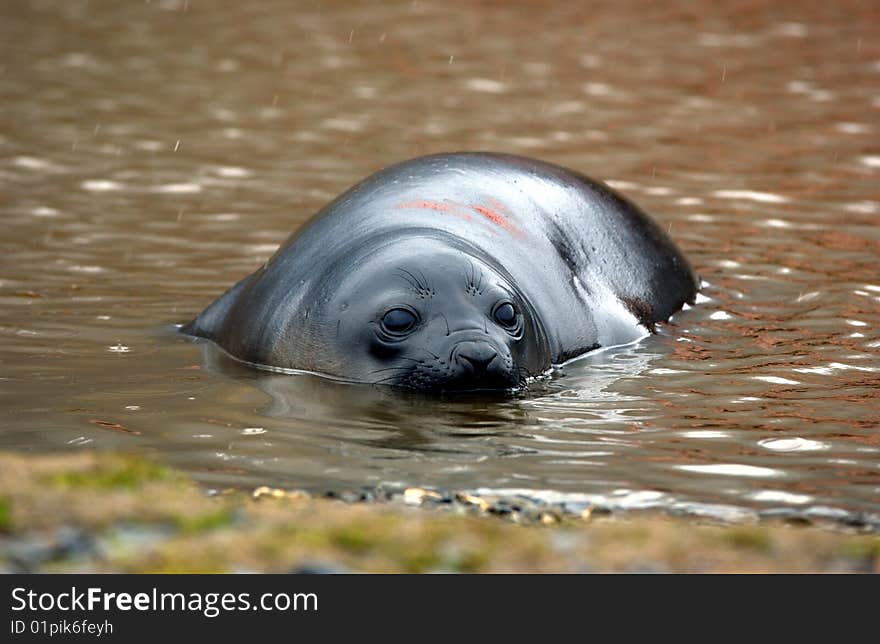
429 316
455 272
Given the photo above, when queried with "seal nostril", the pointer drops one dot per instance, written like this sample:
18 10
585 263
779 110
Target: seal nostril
478 365
476 357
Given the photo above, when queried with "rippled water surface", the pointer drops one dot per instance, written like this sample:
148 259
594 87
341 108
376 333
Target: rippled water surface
153 153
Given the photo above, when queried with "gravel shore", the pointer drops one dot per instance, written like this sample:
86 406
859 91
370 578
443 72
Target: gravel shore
97 512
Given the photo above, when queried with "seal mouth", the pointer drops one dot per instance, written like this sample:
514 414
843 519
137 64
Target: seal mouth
460 382
467 371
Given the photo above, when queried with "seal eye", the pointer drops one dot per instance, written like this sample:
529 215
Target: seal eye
398 321
505 314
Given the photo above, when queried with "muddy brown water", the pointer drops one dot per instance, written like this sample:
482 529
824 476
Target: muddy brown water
153 153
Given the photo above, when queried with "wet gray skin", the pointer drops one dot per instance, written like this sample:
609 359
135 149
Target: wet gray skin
468 271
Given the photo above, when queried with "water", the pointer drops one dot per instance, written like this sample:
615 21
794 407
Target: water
151 154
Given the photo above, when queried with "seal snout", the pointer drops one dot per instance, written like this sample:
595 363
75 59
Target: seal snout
478 364
474 357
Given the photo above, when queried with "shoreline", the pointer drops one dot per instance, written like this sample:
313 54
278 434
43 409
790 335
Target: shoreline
104 512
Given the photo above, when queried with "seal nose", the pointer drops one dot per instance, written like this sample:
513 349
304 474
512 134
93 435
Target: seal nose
476 356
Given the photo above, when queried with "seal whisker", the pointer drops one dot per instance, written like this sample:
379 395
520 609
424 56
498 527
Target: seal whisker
409 278
426 282
391 369
418 282
388 380
447 323
431 353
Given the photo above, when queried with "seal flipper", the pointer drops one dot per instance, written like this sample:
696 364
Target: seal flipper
209 323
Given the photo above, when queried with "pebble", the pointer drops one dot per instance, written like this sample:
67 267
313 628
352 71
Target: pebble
278 493
27 553
520 508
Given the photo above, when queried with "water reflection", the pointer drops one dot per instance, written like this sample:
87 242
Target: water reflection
391 420
560 435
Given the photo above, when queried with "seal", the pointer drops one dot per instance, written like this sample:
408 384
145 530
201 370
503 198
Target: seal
460 271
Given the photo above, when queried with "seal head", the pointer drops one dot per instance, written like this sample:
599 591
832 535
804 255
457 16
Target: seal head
425 313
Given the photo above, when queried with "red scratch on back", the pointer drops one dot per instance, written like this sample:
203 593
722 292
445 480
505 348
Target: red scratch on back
497 205
492 216
430 205
453 209
496 215
497 219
